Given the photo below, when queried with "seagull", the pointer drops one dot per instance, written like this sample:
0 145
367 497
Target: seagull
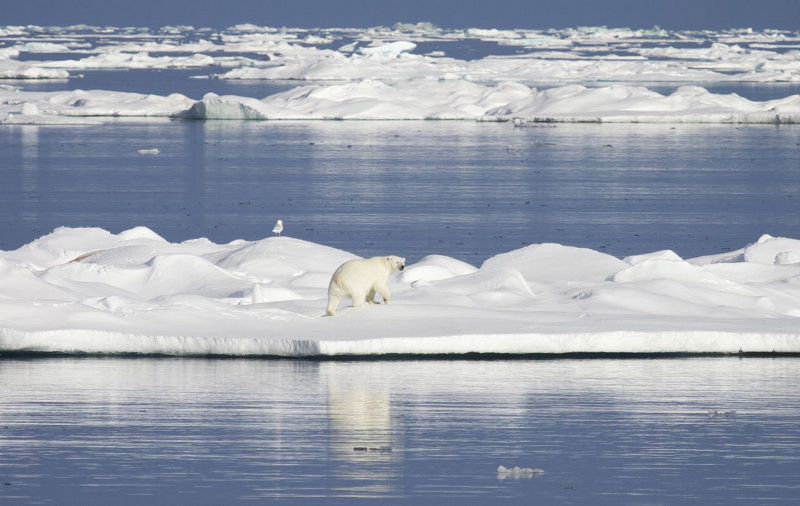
278 228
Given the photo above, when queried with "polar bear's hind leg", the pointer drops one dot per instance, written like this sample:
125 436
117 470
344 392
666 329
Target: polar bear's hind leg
333 303
359 298
334 295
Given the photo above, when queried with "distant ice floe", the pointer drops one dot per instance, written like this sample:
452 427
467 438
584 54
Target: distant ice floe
86 290
12 69
137 60
82 107
527 69
415 100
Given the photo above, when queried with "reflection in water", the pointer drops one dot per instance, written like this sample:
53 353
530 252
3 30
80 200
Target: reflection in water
81 431
364 444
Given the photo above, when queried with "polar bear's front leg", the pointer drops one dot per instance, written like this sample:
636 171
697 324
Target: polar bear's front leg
383 289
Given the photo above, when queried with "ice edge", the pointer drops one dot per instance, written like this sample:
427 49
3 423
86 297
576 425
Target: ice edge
697 342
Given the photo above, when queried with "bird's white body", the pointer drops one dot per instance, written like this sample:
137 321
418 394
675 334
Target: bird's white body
278 228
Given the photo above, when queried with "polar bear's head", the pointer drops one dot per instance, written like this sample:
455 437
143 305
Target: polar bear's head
396 263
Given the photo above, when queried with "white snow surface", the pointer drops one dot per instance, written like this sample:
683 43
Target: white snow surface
412 100
87 290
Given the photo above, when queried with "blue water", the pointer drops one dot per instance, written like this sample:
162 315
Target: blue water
459 188
186 431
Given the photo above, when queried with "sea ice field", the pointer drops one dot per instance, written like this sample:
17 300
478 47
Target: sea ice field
409 72
85 288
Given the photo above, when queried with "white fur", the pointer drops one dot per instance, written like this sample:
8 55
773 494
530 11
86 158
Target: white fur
361 279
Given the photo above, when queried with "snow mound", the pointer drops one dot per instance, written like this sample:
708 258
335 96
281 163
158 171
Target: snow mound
666 255
435 268
548 263
773 250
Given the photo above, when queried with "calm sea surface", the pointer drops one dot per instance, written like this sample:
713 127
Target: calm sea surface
411 188
77 431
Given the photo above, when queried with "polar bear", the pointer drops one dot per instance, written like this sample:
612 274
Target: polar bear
361 279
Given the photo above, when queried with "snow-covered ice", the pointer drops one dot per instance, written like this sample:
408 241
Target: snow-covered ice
80 106
12 69
608 104
86 290
414 100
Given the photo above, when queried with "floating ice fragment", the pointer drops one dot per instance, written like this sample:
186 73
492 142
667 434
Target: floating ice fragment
391 50
382 449
713 413
517 473
348 48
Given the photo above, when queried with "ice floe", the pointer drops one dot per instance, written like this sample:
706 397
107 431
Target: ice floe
416 100
12 69
135 60
75 106
87 290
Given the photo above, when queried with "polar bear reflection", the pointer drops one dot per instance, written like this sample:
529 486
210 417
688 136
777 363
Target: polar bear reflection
361 279
360 415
